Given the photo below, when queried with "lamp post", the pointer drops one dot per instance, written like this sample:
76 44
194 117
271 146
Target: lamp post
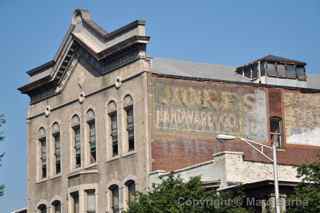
253 145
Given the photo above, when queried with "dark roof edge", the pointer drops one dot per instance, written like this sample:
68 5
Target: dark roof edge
40 68
273 58
311 90
124 29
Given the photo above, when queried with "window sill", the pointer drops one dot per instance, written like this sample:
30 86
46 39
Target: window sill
113 158
128 154
56 176
90 166
42 180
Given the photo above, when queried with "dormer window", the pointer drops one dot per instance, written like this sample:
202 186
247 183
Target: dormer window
273 67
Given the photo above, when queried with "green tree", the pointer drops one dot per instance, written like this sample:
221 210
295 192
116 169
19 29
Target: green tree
174 195
307 194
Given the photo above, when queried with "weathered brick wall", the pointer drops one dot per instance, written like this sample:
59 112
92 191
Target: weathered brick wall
187 115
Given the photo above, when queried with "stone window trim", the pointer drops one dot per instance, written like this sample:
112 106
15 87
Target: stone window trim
81 190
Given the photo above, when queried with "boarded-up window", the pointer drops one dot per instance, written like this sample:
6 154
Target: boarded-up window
282 71
291 71
271 70
301 73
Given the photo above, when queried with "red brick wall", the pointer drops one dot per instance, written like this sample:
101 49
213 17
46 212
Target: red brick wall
172 154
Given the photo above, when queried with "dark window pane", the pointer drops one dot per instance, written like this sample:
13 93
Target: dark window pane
77 146
115 199
114 133
131 190
276 131
92 141
130 127
57 152
43 157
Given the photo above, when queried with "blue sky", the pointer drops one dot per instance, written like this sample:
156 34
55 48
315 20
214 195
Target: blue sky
223 32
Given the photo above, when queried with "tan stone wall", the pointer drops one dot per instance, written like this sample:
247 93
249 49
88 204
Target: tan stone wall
302 118
99 91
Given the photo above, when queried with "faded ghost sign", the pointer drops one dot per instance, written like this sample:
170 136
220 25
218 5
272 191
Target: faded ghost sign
217 108
302 118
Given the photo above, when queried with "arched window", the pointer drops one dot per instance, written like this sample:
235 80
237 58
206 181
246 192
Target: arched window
112 113
92 135
128 108
276 131
56 206
131 190
43 152
57 147
115 201
76 140
42 208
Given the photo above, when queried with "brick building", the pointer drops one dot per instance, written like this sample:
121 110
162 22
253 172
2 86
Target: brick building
106 120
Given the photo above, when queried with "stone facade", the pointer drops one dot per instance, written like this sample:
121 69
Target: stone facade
175 118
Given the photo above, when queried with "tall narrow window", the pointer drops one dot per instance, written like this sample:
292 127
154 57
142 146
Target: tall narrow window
131 189
91 201
56 205
42 208
128 107
76 141
92 136
276 134
113 128
114 189
57 150
75 202
43 153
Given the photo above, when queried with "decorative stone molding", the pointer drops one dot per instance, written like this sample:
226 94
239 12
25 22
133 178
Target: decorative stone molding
118 82
82 96
47 110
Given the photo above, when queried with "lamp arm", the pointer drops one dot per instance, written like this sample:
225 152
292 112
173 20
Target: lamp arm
255 148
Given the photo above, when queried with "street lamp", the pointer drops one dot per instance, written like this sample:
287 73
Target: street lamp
253 145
